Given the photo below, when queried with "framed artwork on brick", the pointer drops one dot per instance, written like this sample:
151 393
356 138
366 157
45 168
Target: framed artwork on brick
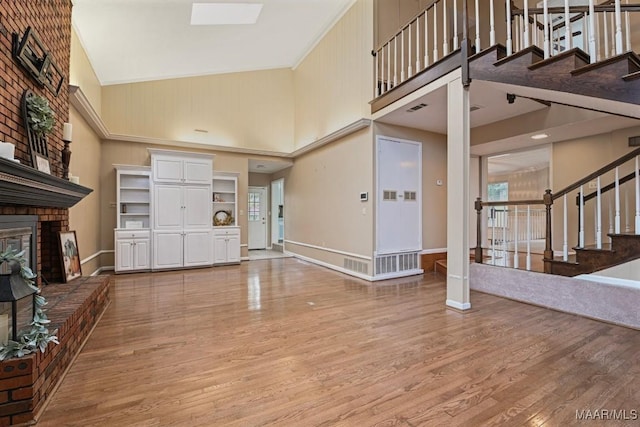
69 255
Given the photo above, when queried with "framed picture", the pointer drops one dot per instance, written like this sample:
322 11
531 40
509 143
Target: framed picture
70 255
42 164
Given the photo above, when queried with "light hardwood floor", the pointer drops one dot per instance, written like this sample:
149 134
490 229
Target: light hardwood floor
282 342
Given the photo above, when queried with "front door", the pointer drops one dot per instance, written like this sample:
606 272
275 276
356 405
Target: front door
257 211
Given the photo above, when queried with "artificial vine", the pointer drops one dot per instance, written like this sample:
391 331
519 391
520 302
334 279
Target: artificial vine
38 337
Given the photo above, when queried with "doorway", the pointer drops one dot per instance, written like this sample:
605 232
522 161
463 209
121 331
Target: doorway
277 215
257 217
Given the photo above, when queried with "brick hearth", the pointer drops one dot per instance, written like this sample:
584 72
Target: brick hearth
27 382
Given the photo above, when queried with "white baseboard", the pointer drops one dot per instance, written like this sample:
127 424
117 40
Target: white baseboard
459 305
433 251
101 269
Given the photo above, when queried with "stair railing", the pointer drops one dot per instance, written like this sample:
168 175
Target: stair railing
601 30
622 191
510 224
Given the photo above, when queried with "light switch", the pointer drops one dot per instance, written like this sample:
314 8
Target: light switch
439 182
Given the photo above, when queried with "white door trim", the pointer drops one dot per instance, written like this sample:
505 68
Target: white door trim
263 208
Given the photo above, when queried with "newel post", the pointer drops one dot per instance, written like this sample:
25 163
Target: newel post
548 251
478 251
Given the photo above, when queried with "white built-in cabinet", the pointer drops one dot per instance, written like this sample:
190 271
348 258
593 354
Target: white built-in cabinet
226 238
132 236
182 212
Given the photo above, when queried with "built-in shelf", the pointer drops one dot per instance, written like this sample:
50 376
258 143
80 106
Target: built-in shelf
225 196
133 196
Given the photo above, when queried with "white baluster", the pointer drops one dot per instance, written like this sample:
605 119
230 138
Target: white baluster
376 88
585 32
515 240
426 40
509 37
477 27
395 61
618 14
410 72
598 215
528 259
617 202
456 41
596 35
493 236
402 76
535 30
627 224
418 45
492 23
545 30
565 237
627 26
388 66
637 229
568 36
517 31
435 32
445 35
581 220
610 217
526 25
606 35
505 215
613 34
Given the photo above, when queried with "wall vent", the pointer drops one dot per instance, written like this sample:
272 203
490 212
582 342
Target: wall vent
397 263
417 107
409 196
389 195
357 266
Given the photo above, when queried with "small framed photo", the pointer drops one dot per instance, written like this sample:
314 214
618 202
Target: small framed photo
70 255
42 164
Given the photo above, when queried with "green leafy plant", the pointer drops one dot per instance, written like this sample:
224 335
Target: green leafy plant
40 115
38 337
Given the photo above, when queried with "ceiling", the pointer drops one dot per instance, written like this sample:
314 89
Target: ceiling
140 40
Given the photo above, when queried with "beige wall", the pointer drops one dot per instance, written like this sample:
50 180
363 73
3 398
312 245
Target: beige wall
243 110
334 83
322 206
81 74
525 185
568 167
86 216
434 167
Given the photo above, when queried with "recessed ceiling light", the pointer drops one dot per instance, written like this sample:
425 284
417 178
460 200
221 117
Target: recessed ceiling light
225 13
539 136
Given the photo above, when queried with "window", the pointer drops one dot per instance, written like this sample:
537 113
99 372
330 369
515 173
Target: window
254 207
498 191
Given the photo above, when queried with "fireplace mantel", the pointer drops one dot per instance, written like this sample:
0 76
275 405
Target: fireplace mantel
24 185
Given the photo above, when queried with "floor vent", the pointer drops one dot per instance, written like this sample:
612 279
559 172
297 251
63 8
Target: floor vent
396 263
357 266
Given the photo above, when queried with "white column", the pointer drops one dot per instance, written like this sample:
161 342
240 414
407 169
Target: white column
617 203
568 36
458 149
545 30
445 36
618 14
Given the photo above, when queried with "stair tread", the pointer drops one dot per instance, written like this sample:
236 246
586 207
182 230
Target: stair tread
579 53
530 50
627 56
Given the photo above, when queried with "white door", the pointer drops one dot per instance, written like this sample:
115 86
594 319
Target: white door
197 207
233 248
168 207
257 216
197 248
167 249
141 251
220 249
124 255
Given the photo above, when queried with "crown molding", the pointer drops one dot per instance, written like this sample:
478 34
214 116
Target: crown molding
81 103
332 137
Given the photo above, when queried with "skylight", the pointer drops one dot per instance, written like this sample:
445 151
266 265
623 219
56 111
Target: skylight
225 13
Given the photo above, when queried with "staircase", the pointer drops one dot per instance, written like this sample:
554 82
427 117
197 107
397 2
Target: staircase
615 79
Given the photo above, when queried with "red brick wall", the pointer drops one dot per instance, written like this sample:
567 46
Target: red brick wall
51 19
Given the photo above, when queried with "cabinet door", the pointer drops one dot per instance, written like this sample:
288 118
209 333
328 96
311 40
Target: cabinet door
233 248
168 207
167 170
197 171
141 254
197 202
220 249
197 248
124 255
167 249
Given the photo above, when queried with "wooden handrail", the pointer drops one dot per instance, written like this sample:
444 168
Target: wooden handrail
606 188
597 173
514 203
578 9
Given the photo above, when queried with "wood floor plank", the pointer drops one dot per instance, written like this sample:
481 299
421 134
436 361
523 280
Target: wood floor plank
283 342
